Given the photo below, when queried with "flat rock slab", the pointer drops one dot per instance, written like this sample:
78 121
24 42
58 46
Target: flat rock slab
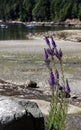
45 105
20 115
73 121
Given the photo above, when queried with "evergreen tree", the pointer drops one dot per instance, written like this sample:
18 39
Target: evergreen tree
28 5
40 10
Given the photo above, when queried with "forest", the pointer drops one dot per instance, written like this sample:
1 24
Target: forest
40 10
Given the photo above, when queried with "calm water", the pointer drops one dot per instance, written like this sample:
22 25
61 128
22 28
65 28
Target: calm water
19 31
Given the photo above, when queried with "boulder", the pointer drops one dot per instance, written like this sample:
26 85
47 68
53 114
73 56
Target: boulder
23 114
20 115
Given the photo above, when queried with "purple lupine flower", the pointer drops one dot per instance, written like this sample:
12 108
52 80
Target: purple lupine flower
53 42
45 55
67 89
60 87
58 54
50 51
57 74
52 79
47 41
53 51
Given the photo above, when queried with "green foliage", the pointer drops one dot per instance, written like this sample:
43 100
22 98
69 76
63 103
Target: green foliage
57 114
40 10
55 9
79 14
74 10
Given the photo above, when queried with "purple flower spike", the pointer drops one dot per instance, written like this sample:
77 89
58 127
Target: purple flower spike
57 74
47 41
60 53
53 42
52 79
67 89
60 87
53 53
50 51
56 53
45 55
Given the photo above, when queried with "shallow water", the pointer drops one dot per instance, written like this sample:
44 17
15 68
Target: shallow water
20 31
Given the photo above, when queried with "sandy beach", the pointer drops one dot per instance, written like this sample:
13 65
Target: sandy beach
36 45
21 60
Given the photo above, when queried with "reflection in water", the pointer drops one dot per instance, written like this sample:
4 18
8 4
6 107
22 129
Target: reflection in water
20 31
12 32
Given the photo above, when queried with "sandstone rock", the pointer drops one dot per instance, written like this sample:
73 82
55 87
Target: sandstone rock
20 115
73 122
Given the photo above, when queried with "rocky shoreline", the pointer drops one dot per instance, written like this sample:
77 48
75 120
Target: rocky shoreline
72 32
67 23
71 23
67 35
31 90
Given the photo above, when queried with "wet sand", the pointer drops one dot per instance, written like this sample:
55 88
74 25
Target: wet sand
36 45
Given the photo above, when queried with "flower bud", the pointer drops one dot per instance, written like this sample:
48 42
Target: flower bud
52 79
67 88
53 42
45 54
47 41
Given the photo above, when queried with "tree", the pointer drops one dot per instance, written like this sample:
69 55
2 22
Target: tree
41 11
28 6
74 10
79 11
